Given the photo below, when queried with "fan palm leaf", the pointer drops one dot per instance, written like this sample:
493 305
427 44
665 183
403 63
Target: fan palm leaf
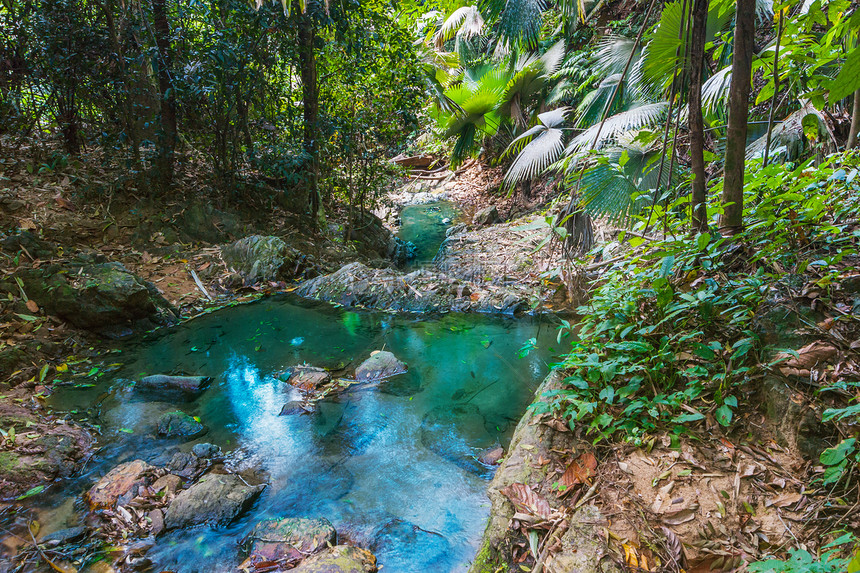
644 115
465 22
537 148
519 20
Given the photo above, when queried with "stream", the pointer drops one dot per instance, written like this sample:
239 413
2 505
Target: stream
394 467
425 225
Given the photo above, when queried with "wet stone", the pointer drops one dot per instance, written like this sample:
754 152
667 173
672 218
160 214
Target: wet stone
217 499
379 366
185 388
295 407
290 538
206 450
120 485
339 559
398 542
307 378
187 466
179 425
69 535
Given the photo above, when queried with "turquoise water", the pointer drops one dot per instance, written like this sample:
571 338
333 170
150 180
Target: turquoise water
425 226
393 467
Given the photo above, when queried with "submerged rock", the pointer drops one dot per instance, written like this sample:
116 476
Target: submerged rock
217 499
184 388
492 455
295 407
306 377
290 538
265 258
206 450
404 546
103 296
63 536
339 559
120 485
379 366
44 450
356 285
179 425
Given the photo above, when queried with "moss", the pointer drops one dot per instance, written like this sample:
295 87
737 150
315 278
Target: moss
487 561
8 462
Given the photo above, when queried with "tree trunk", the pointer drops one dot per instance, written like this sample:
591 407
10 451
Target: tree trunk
127 105
167 133
855 122
310 101
736 138
697 123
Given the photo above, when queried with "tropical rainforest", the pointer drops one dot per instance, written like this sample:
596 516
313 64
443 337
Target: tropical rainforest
428 285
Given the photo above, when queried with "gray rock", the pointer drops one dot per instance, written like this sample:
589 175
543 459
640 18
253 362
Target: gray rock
339 559
202 222
487 216
27 241
295 407
206 450
375 240
217 499
179 425
102 296
185 388
290 538
188 466
69 535
421 291
582 546
796 421
379 366
264 258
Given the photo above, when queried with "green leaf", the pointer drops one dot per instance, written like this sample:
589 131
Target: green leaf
848 79
835 455
666 265
703 351
31 492
126 430
27 317
702 240
724 415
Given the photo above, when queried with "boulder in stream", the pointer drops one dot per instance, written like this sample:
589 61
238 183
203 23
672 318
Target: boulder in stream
339 559
217 499
120 485
265 258
205 450
188 466
306 377
381 365
185 388
178 424
290 538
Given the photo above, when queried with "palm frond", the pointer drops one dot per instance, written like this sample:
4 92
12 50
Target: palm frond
715 92
537 148
593 105
608 192
644 115
519 20
789 138
612 54
662 55
465 22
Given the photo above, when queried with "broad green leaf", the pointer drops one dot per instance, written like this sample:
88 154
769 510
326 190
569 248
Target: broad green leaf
31 492
848 79
835 455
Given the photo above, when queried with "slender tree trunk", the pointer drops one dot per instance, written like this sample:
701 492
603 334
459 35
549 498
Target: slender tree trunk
775 91
736 138
167 133
310 100
855 122
122 71
697 123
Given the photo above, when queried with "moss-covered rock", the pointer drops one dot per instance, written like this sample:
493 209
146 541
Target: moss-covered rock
266 258
339 559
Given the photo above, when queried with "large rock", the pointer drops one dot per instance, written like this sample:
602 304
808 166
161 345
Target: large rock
120 485
795 419
97 296
264 258
178 425
422 291
188 465
203 222
290 538
29 242
379 366
582 545
44 450
339 559
185 388
375 240
217 499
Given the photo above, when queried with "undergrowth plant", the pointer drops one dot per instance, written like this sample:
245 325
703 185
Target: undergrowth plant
668 337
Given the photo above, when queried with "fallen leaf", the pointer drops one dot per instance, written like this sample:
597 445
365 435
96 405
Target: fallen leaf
683 516
523 497
32 306
783 500
580 470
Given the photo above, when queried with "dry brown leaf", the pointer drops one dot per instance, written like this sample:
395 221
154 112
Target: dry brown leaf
580 470
783 500
523 497
810 355
683 516
32 306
